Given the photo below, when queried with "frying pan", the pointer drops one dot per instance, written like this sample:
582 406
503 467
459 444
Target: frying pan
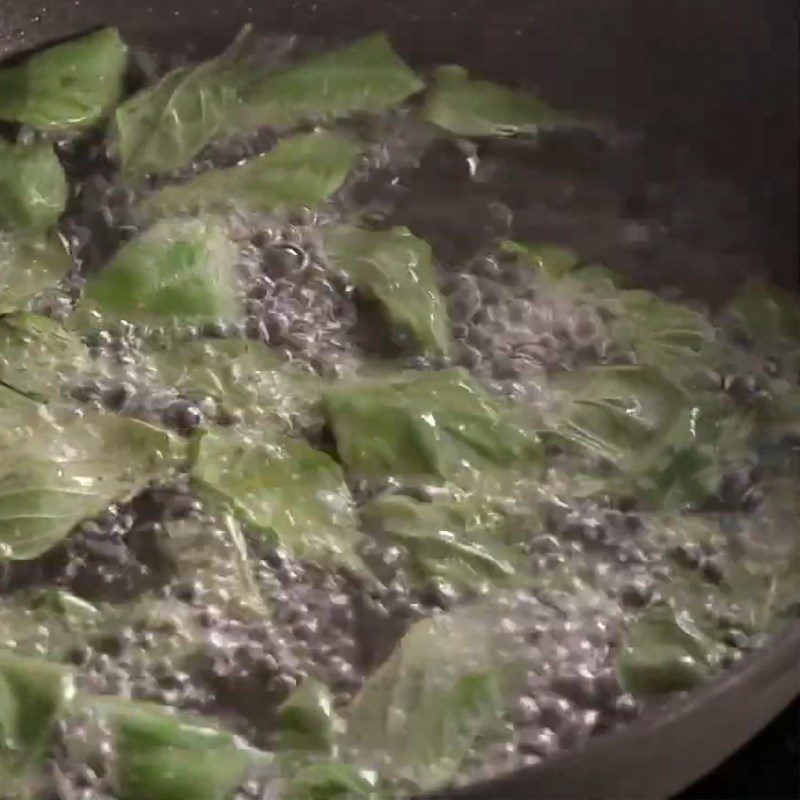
716 77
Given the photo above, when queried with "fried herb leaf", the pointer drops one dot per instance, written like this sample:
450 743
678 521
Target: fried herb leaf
308 779
460 542
164 126
66 87
365 76
307 720
664 653
395 268
292 493
479 108
242 377
66 471
36 353
32 693
300 172
33 188
166 757
430 423
628 416
420 712
179 269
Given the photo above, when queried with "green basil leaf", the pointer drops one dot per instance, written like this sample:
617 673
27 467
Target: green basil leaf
66 87
326 780
627 415
456 541
447 682
166 757
284 488
434 423
769 316
665 335
65 472
664 653
36 353
307 720
396 269
164 126
178 269
33 187
32 694
480 108
241 376
300 172
560 271
365 76
28 266
551 260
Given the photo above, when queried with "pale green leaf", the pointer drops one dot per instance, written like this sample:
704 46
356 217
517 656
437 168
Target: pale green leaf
395 268
241 376
181 269
33 187
307 720
68 86
300 172
463 543
664 653
161 756
628 416
64 472
37 353
446 683
32 694
28 266
214 552
366 76
480 108
164 126
283 487
429 423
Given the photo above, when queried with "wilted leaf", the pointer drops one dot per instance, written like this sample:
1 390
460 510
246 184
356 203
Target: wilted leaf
627 415
32 693
33 188
395 268
308 779
214 552
181 269
308 721
460 542
28 266
447 682
768 315
242 376
664 335
68 86
300 172
663 653
63 473
365 76
161 756
480 108
551 260
283 487
36 353
429 423
163 127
